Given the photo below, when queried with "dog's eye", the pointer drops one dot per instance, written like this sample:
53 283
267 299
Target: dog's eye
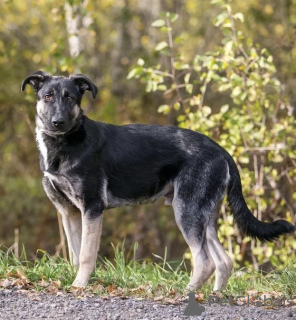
47 97
69 98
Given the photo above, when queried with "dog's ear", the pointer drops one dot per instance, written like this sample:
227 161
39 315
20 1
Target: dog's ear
36 80
83 83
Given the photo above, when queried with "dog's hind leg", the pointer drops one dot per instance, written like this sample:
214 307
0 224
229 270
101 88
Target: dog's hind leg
203 265
90 242
199 189
193 228
222 262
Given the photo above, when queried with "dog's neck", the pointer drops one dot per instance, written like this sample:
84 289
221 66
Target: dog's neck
53 145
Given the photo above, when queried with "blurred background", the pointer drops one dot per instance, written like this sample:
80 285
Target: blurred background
104 40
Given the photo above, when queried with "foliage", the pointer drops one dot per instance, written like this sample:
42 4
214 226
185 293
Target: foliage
254 120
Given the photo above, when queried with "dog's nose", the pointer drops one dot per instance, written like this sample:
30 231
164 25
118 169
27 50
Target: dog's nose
58 123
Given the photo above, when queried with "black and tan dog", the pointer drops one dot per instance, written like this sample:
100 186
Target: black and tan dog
91 166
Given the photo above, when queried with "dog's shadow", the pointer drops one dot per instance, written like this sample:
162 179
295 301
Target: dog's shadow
193 308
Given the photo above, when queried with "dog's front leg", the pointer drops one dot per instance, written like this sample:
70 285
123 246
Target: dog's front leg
90 242
73 228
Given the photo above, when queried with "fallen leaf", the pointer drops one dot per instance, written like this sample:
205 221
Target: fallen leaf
217 294
52 289
290 302
57 283
266 296
111 287
43 283
99 287
244 299
171 301
11 274
199 296
277 294
252 292
22 291
21 274
6 283
140 289
117 292
158 298
22 283
77 291
173 293
36 299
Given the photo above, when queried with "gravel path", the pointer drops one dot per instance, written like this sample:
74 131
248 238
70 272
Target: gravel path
18 304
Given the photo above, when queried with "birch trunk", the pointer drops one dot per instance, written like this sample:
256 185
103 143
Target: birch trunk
73 26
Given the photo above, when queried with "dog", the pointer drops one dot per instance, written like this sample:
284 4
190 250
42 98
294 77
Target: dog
90 167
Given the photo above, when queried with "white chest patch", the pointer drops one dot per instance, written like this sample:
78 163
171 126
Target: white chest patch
42 147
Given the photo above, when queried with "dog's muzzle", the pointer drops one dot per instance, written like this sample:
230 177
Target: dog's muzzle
58 124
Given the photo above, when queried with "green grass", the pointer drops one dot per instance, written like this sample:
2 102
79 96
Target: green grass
127 276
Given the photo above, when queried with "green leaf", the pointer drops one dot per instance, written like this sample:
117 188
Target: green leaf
206 110
164 109
140 62
165 29
179 65
224 87
195 100
239 16
161 87
216 77
189 88
158 23
220 19
187 77
172 16
224 108
178 40
177 106
161 45
253 53
278 158
151 86
134 72
236 91
228 48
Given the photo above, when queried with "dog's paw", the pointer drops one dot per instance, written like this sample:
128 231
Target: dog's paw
78 284
191 287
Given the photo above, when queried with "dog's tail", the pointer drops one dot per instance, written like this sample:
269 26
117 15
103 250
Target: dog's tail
245 220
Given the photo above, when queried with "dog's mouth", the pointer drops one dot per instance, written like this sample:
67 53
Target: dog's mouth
43 127
57 132
52 132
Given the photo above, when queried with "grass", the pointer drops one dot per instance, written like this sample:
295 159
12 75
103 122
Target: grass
126 276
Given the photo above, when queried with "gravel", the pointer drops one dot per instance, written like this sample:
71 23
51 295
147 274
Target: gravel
22 304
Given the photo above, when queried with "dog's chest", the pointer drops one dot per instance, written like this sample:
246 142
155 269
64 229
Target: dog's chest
52 153
68 189
42 148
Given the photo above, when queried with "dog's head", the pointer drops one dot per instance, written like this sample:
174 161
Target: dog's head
58 100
